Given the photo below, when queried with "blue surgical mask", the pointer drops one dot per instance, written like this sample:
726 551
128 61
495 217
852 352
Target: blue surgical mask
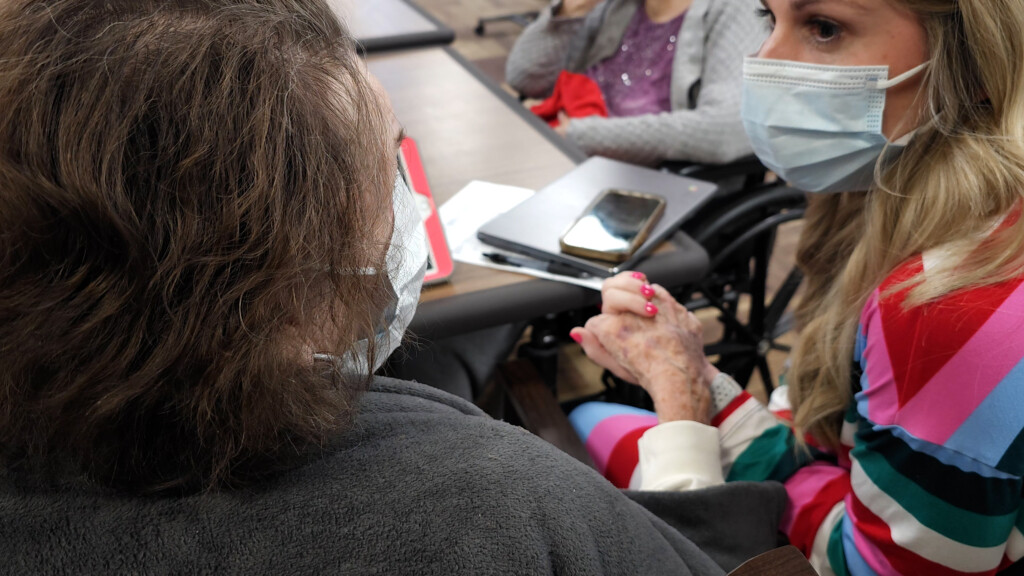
407 264
819 127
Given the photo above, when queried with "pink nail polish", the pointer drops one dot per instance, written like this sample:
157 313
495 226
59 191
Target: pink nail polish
576 337
651 309
639 275
647 291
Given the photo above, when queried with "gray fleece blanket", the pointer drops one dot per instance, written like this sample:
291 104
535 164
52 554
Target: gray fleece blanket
424 484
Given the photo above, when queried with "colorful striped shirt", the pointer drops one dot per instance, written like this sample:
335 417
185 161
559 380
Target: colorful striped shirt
929 477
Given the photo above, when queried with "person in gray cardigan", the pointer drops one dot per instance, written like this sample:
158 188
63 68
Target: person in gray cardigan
200 217
704 122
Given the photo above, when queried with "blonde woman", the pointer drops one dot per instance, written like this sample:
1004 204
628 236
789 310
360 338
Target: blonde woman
906 451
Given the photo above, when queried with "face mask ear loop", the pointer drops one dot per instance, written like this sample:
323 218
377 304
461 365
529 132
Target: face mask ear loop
886 84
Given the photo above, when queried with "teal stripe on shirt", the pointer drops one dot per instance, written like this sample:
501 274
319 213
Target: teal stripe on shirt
771 456
972 529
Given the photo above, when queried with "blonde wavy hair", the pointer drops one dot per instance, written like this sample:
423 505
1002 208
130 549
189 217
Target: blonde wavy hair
961 173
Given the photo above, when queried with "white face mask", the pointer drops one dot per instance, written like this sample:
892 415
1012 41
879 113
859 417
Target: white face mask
407 263
819 127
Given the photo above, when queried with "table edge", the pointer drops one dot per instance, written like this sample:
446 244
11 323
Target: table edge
688 264
441 35
405 41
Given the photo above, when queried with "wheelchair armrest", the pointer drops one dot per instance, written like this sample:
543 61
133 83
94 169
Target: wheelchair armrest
746 166
536 408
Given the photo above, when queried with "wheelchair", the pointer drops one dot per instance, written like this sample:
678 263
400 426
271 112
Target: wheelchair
739 230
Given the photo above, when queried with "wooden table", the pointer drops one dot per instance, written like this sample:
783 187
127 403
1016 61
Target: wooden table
466 129
381 25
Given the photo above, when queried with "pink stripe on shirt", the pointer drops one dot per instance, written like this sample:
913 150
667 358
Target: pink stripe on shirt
947 401
870 552
607 433
803 487
882 393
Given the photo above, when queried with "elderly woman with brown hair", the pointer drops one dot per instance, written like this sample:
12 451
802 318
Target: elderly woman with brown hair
196 281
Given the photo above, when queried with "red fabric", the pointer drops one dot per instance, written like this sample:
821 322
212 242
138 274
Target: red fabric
876 532
918 350
624 458
918 342
738 401
576 95
810 518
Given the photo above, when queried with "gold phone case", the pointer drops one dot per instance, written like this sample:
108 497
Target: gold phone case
616 256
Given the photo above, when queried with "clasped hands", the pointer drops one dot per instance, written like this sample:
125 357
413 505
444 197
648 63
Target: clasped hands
645 337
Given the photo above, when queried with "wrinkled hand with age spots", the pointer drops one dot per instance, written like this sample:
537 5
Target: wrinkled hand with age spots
659 348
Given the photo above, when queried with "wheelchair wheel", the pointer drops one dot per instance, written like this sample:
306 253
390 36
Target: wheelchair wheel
741 237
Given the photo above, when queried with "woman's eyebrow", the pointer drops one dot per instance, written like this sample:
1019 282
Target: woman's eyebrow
800 5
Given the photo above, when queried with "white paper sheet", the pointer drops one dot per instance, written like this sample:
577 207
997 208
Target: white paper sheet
478 203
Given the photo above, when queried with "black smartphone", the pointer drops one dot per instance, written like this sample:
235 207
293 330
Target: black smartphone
614 225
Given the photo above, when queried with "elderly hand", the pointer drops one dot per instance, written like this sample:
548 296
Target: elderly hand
644 336
626 292
563 124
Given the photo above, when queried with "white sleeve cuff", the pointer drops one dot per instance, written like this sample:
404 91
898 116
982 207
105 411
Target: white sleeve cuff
678 456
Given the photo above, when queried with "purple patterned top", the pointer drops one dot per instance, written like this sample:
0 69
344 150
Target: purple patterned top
637 79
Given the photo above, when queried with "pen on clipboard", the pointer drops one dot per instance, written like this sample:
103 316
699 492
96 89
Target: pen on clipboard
549 267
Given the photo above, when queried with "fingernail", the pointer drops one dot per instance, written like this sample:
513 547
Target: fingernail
651 309
639 275
576 337
647 291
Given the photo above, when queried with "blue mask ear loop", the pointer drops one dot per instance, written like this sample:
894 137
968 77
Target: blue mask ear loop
886 84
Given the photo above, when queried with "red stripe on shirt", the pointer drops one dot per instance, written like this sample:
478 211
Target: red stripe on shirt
624 458
811 516
919 340
730 408
904 561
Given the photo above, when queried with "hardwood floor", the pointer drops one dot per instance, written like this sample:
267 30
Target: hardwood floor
488 52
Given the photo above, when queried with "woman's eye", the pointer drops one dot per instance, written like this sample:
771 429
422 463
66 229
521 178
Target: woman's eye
824 30
766 15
